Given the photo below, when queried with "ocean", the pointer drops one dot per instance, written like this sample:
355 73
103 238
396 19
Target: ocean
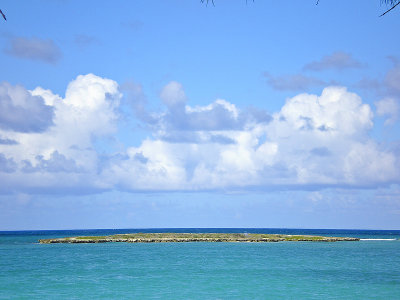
368 269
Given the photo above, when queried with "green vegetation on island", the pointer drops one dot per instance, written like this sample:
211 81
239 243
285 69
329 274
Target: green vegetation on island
195 237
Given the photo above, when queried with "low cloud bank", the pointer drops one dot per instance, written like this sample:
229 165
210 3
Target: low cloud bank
314 141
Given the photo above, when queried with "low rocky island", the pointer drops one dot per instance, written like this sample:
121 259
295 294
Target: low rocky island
195 237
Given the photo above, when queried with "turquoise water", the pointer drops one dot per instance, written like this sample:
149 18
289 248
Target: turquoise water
286 270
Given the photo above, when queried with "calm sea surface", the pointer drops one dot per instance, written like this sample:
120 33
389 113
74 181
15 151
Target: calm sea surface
368 269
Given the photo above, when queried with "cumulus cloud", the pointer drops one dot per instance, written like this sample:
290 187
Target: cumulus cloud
173 95
7 142
297 82
34 49
388 107
7 165
324 139
336 111
136 99
56 163
320 151
313 141
87 113
21 111
182 123
338 60
218 115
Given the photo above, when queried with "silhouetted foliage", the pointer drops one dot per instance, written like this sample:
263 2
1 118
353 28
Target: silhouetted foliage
392 3
4 16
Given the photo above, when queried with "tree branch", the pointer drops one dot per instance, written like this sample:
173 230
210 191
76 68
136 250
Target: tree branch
212 1
390 9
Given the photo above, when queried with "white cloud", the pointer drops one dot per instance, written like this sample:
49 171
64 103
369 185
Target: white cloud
336 125
136 99
8 141
388 107
366 164
88 111
173 95
312 142
199 124
7 165
336 111
23 112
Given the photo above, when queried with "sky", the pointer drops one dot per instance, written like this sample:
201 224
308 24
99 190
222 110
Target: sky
174 113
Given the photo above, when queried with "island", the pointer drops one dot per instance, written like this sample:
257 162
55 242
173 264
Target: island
194 237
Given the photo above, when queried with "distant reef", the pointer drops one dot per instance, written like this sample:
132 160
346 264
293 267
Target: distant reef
194 237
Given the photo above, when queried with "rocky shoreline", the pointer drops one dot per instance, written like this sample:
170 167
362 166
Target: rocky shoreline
194 237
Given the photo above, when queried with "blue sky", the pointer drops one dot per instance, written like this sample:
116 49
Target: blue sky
132 114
